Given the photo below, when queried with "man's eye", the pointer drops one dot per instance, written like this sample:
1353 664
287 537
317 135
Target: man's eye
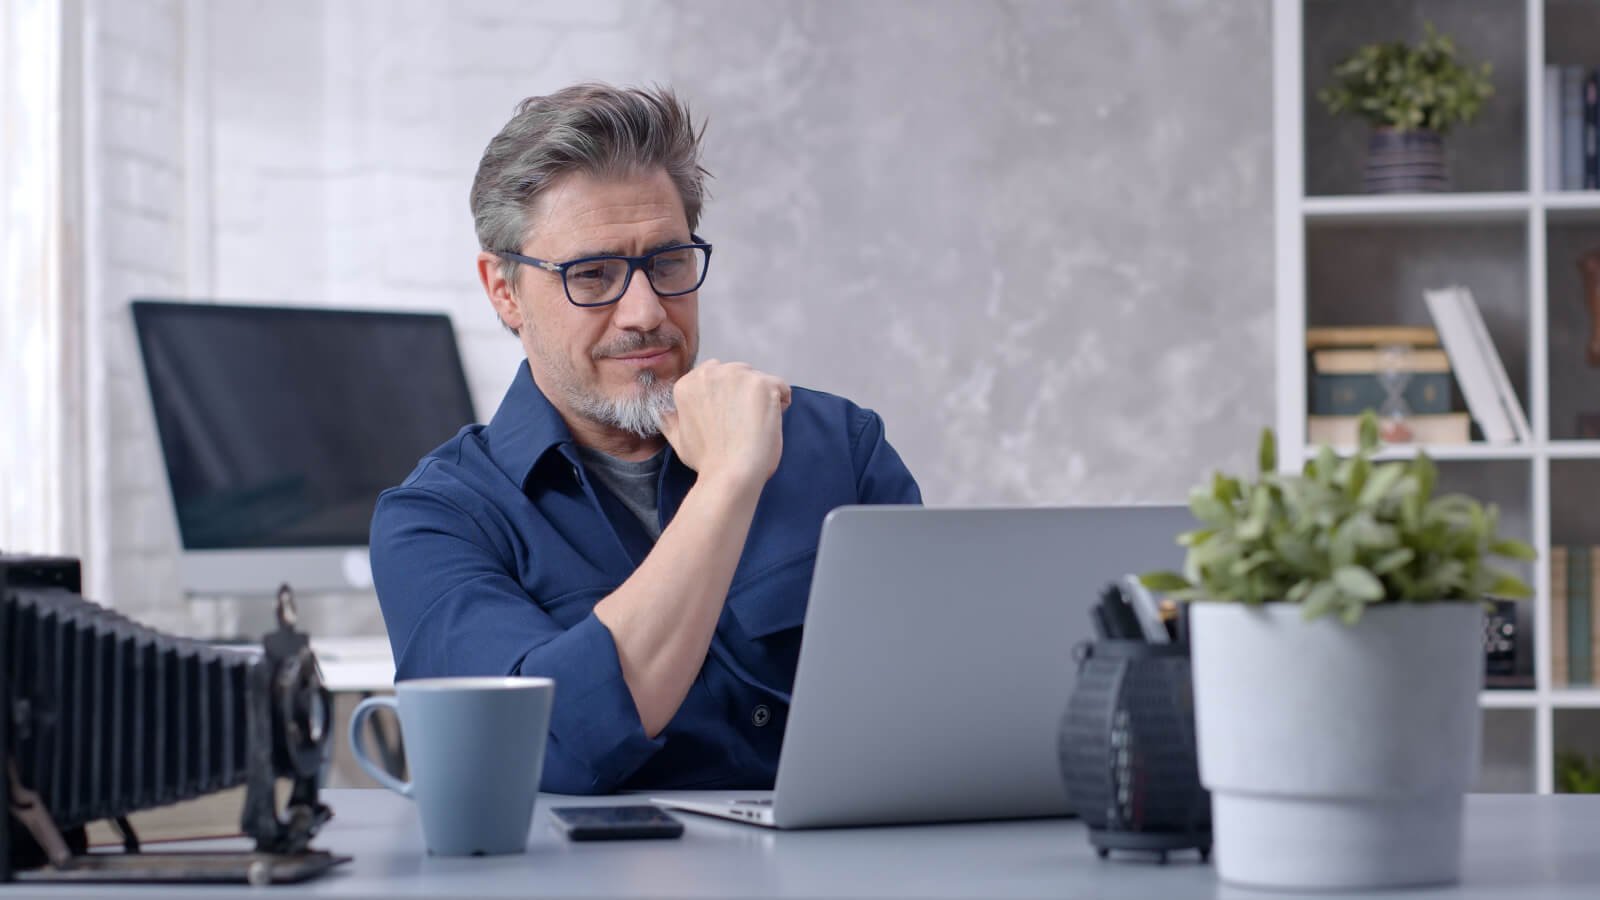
667 266
586 273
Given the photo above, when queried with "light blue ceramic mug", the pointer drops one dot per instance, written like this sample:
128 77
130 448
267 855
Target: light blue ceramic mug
475 748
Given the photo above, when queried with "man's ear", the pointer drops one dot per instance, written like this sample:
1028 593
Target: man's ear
498 289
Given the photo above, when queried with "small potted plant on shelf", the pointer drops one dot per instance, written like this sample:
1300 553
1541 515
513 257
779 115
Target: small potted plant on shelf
1577 773
1336 682
1412 96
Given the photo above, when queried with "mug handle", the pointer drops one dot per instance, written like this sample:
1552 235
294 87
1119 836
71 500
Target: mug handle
358 718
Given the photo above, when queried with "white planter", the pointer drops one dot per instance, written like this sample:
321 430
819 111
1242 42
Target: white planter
1337 756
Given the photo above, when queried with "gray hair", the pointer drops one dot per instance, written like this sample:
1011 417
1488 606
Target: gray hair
593 128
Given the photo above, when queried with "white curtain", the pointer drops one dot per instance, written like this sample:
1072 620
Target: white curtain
41 414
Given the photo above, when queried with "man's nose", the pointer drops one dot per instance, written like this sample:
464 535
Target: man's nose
640 308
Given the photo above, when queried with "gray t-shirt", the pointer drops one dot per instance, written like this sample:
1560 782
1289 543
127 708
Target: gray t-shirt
634 483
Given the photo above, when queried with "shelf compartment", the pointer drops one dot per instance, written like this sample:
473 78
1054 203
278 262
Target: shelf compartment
1574 392
1491 155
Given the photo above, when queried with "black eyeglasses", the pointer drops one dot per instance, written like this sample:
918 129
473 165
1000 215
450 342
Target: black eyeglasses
602 280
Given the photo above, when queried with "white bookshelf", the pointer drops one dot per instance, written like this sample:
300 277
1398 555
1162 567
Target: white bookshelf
1530 212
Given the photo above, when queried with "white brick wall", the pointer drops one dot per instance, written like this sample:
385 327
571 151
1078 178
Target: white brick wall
321 183
136 239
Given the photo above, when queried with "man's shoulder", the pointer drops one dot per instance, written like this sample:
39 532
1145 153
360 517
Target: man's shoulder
823 408
455 470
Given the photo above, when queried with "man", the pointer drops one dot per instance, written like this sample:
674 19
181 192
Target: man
639 528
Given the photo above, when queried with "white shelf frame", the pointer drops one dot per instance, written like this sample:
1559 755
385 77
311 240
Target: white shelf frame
1535 209
1426 209
1575 698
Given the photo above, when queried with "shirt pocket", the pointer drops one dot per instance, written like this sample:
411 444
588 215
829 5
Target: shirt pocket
773 599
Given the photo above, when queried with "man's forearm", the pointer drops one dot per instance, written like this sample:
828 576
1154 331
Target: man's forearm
662 618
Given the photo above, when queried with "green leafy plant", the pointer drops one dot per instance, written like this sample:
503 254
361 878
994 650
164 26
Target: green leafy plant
1339 536
1577 774
1395 85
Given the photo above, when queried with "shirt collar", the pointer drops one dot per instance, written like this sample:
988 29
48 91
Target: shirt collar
524 428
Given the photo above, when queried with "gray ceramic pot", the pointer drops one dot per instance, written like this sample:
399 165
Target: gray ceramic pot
1337 756
1405 162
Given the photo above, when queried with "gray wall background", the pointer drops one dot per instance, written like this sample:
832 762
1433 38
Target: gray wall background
1036 236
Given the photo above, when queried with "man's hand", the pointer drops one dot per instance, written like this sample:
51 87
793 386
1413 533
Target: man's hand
729 422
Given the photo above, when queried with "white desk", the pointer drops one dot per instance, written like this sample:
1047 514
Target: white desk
355 664
1517 847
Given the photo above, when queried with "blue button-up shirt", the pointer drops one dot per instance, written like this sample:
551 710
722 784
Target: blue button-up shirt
490 558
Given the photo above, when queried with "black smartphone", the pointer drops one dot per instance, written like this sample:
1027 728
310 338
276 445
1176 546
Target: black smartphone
614 823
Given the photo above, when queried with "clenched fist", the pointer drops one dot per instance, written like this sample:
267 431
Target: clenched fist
729 422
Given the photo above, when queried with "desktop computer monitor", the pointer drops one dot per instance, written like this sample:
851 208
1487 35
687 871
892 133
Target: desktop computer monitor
280 427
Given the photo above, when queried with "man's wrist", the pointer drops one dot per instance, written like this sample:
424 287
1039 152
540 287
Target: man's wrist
730 487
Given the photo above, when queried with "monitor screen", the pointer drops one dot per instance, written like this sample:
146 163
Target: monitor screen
280 426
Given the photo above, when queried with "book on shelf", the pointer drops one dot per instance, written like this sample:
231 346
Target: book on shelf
1574 615
1504 392
1571 122
1552 128
1371 336
1591 161
1425 393
1480 373
1594 615
1572 127
1368 361
1558 616
1345 431
1580 656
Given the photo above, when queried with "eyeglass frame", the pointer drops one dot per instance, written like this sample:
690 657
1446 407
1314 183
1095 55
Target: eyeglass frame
635 263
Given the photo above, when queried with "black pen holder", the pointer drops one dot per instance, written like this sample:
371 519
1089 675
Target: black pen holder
1127 749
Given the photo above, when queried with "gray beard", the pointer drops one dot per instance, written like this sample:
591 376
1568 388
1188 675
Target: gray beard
639 414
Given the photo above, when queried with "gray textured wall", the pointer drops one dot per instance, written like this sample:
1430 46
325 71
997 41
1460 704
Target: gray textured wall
1036 236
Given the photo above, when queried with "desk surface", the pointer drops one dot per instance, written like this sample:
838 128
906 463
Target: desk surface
359 664
1517 846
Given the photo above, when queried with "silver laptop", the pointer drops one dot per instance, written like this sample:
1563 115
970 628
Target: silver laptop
937 661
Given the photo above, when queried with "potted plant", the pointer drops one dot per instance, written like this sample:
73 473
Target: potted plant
1336 682
1412 96
1577 773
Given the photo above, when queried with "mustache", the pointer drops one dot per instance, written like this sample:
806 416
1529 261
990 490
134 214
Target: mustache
636 341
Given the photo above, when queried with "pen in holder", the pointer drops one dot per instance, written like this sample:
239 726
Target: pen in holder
1127 748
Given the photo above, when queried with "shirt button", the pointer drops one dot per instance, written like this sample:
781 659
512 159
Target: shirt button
761 716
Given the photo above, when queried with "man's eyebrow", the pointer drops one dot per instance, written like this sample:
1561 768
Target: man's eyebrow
612 251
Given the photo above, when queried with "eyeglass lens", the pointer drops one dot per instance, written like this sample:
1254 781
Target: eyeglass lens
674 271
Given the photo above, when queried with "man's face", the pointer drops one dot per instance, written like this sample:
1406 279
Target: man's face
612 365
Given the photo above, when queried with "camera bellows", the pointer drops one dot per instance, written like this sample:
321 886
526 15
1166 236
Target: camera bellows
110 717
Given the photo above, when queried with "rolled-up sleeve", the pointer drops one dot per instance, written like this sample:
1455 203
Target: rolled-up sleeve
881 476
452 606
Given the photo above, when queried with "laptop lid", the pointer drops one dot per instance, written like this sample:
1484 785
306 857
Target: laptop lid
937 657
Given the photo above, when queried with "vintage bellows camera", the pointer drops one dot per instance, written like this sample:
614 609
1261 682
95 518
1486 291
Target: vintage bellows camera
101 717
